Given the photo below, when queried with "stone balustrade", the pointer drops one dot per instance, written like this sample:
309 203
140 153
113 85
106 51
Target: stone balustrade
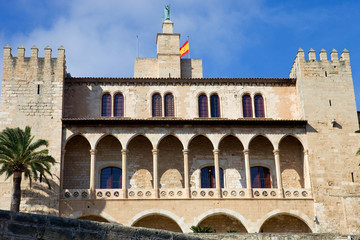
195 193
75 194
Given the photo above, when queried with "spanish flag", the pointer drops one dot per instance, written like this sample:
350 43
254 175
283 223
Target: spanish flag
184 49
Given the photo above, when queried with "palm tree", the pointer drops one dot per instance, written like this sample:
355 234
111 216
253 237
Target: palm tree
19 154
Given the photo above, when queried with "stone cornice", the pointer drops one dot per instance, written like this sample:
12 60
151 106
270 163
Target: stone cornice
181 81
241 122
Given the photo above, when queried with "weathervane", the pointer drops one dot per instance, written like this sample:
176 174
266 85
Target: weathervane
167 12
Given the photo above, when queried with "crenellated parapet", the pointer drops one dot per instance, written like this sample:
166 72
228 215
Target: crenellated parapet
321 61
32 86
328 82
22 66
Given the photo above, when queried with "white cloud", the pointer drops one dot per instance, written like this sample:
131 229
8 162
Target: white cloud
100 37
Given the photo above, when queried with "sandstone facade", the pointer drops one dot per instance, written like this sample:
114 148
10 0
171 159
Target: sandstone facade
274 171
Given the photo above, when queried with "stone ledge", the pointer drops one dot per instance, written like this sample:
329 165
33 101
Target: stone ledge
28 226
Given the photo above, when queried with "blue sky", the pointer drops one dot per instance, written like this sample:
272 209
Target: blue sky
235 38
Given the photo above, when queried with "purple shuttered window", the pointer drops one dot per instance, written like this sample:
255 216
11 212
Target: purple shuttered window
260 177
169 105
247 108
119 105
208 177
106 105
203 106
215 105
156 105
259 106
111 177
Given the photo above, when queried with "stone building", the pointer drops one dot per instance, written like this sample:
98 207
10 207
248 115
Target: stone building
170 149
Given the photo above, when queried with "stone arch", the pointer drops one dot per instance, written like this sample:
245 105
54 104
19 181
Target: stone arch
108 154
263 135
101 213
136 135
225 136
200 154
231 158
299 138
170 162
76 167
169 134
227 217
140 162
197 135
104 136
284 222
95 218
164 214
74 135
261 154
291 153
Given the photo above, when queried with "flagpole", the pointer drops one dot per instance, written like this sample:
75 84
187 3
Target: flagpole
137 38
189 47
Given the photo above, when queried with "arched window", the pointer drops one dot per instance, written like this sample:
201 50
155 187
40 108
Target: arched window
260 177
215 105
156 105
106 105
247 108
208 177
203 106
119 105
259 106
110 177
169 105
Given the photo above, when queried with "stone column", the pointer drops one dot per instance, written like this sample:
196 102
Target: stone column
124 173
92 172
155 172
186 173
278 171
306 170
217 172
62 169
247 168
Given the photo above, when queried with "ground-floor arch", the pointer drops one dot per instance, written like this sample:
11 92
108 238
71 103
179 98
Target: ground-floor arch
223 223
95 218
158 221
284 223
222 220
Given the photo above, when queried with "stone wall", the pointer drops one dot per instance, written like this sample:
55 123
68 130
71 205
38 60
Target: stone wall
326 99
82 99
32 95
26 226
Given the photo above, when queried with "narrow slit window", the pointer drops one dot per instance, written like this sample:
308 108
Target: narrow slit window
106 105
247 106
259 106
203 106
119 105
215 105
169 105
38 89
156 105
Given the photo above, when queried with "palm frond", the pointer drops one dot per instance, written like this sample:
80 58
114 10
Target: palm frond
20 152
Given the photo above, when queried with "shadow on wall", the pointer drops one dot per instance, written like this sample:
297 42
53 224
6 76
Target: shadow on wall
40 199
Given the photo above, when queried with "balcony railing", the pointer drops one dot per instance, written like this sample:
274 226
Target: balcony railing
194 193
